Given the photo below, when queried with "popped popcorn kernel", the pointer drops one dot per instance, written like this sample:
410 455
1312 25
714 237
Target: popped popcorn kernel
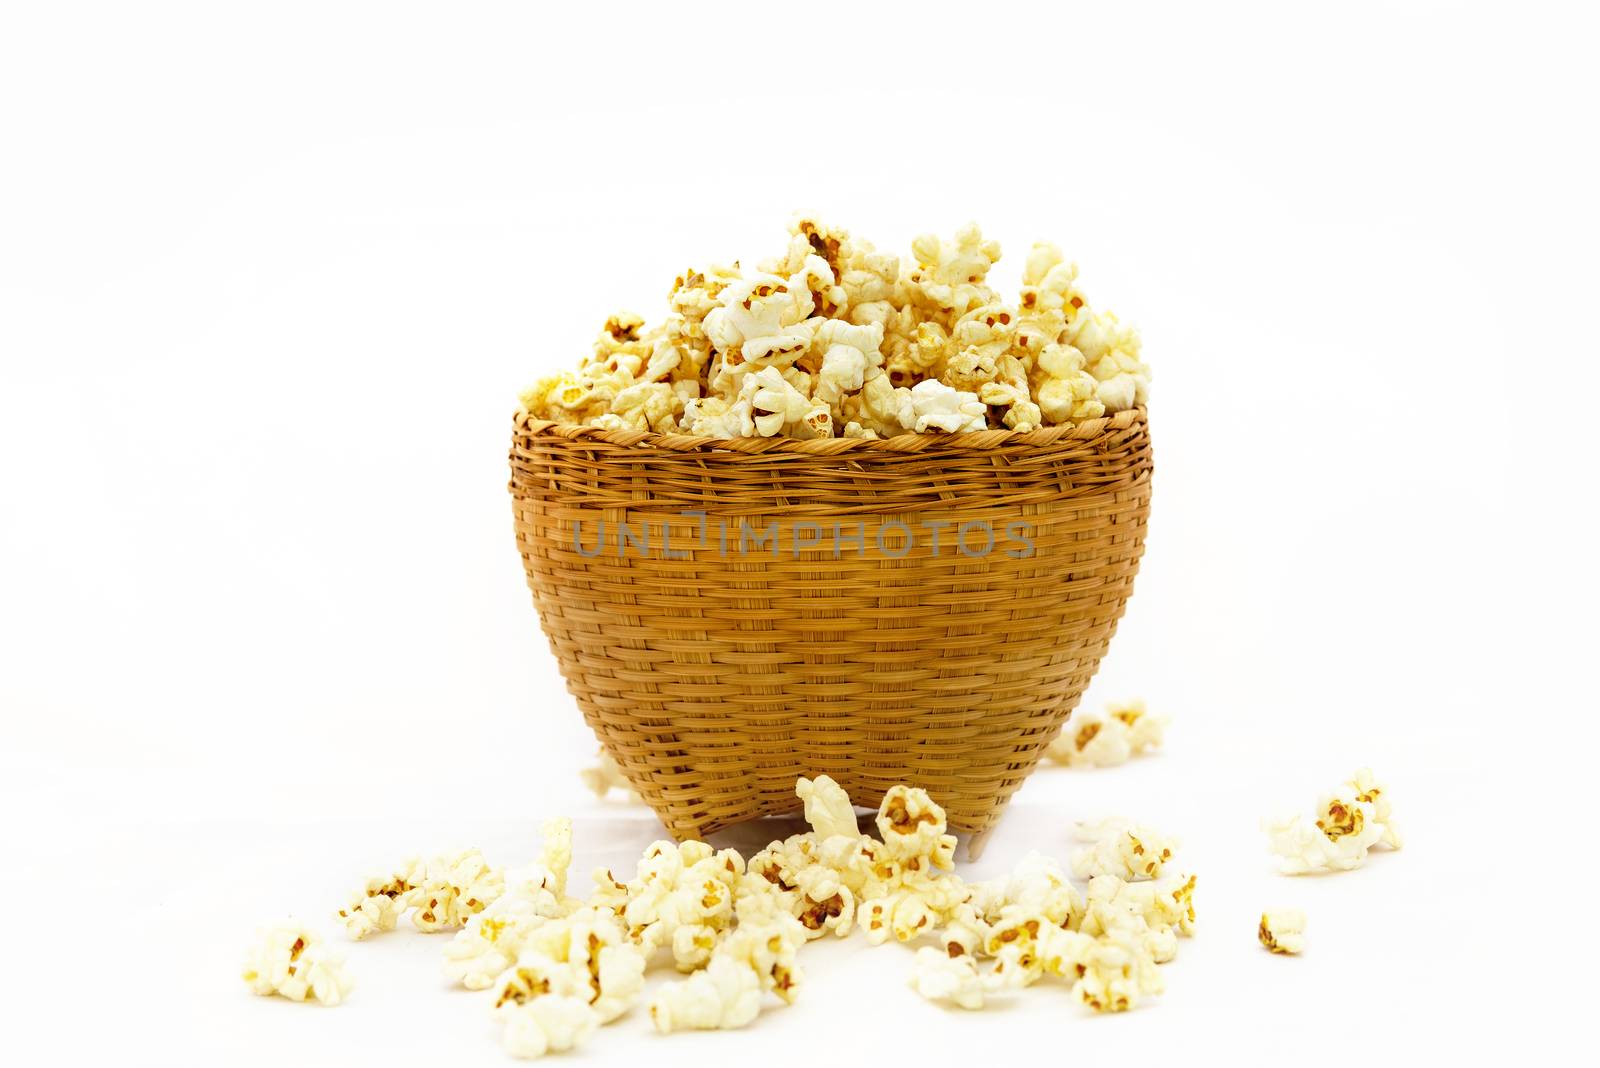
1118 971
1283 930
1338 836
827 807
378 904
1127 850
454 888
724 996
289 960
544 1007
1108 737
940 976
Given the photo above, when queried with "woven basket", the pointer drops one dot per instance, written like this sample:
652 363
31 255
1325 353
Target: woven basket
715 674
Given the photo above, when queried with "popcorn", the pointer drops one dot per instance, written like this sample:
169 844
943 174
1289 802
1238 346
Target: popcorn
1283 930
758 955
726 995
291 961
456 886
1117 847
912 826
681 886
1105 739
871 349
940 976
761 320
935 406
586 954
560 967
382 898
1347 824
1116 972
1367 790
1112 351
1160 904
1144 731
948 279
491 940
774 402
827 806
846 352
548 1024
1038 886
544 1007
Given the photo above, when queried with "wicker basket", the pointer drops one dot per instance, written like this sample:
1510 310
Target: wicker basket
715 673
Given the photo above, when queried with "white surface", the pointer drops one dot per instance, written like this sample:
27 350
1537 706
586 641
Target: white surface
269 282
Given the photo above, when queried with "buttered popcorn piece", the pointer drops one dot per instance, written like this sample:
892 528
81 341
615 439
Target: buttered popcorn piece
1118 971
378 904
774 401
1364 788
289 960
940 976
547 1025
827 807
544 1006
687 885
456 887
1337 838
1163 904
912 825
1283 930
586 953
492 939
935 406
1116 847
875 348
1144 731
1108 737
758 955
725 995
948 279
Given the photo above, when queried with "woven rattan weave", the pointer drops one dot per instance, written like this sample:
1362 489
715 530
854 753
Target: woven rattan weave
733 614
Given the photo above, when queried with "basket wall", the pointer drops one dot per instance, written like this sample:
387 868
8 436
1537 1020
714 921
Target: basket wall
716 677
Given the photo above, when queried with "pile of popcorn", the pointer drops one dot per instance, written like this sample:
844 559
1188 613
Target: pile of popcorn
559 967
835 339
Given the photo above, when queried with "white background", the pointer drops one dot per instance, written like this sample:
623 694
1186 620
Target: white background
271 276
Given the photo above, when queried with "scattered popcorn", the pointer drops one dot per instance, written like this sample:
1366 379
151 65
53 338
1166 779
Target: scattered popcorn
1117 847
1104 739
605 776
1346 825
561 967
1283 930
292 962
534 895
834 339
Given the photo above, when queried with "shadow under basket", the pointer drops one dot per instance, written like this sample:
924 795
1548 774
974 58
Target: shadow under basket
924 609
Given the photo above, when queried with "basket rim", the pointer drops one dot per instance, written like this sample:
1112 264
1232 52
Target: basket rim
646 440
